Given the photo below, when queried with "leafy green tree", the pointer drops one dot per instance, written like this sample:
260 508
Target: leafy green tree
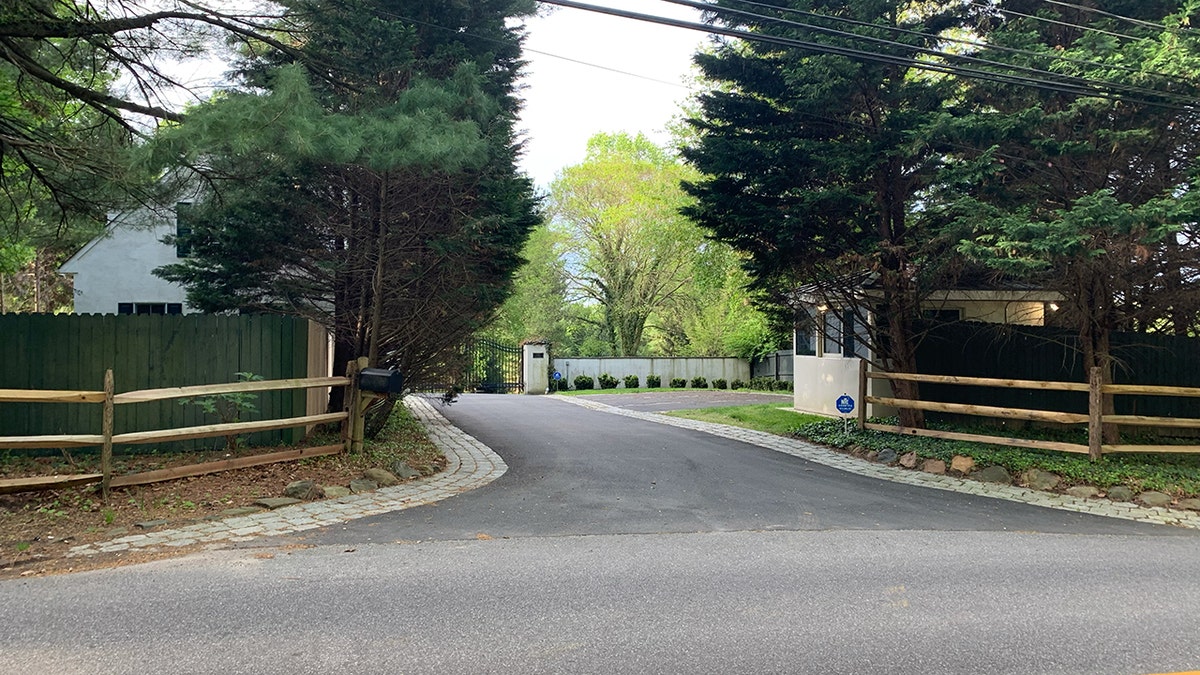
630 249
383 199
814 164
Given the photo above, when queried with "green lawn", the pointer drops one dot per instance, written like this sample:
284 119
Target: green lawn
1174 474
769 417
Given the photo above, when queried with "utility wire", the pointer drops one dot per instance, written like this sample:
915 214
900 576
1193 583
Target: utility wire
1060 87
1056 22
962 41
929 51
1093 10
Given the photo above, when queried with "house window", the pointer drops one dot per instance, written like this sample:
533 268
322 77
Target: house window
831 329
844 335
149 308
184 219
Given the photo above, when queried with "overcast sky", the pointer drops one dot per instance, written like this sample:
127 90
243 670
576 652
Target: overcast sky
567 102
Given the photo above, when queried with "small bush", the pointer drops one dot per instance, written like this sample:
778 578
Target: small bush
678 383
783 385
583 382
720 384
631 381
653 381
607 381
737 384
699 383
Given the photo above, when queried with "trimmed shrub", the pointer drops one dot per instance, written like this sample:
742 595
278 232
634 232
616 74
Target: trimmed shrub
607 381
653 381
631 381
583 382
737 384
678 383
699 383
720 384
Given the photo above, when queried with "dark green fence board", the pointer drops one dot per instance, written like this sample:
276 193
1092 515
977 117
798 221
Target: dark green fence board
1052 354
147 352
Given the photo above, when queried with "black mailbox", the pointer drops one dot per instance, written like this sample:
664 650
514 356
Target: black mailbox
381 381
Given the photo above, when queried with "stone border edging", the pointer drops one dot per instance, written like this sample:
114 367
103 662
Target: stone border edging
470 465
837 460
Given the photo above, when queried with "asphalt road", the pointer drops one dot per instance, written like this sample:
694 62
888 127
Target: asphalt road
619 546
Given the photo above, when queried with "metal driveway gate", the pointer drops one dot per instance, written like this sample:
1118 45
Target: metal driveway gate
494 368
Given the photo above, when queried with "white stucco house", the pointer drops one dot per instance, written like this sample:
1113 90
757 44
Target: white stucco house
113 273
831 349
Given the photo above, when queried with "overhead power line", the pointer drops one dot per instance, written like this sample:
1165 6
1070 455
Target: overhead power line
1081 86
929 51
950 39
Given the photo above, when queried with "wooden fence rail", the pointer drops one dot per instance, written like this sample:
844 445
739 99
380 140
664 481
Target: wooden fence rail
1095 419
106 438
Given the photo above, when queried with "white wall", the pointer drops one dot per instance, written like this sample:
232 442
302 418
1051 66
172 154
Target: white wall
710 368
820 380
118 267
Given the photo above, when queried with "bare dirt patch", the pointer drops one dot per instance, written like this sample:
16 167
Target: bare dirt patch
37 529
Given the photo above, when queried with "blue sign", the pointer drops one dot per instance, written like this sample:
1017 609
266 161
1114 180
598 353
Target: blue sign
845 404
557 375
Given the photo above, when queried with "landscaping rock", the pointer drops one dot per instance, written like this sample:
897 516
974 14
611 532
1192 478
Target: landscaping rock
908 460
404 471
335 491
1040 480
993 474
303 490
872 456
1190 504
240 511
383 477
276 502
1152 498
150 524
1083 492
934 466
886 456
363 485
1120 493
962 465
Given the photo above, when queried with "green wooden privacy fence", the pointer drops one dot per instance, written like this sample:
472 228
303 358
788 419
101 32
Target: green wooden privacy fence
1046 353
72 352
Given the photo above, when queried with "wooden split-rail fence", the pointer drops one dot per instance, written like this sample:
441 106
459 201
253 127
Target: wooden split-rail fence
1095 418
352 424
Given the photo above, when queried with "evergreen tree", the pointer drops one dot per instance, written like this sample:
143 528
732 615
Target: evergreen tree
814 164
377 193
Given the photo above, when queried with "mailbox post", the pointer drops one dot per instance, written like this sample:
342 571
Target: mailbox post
367 384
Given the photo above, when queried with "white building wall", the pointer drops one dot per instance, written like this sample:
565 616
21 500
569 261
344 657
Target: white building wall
710 368
118 267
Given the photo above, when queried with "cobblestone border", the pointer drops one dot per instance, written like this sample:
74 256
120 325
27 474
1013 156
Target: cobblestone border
837 460
470 465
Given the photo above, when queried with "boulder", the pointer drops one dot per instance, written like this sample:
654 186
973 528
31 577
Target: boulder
1190 504
872 456
363 485
383 477
303 490
335 491
1040 480
402 470
1152 498
934 466
1083 491
993 474
962 465
886 456
1120 493
908 460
